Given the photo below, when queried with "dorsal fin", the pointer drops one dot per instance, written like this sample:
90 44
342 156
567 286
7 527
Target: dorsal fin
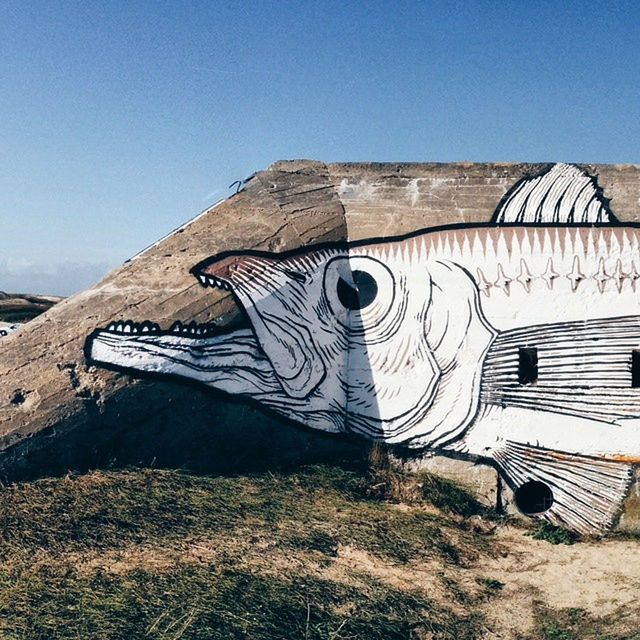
563 195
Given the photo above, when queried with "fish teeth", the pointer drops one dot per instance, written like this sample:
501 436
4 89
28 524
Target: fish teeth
130 327
213 282
148 328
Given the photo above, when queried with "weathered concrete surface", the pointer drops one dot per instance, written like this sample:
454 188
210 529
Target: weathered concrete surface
481 480
630 518
56 410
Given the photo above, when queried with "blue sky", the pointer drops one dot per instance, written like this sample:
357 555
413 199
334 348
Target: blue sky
121 120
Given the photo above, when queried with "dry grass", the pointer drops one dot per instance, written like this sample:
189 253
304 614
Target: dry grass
323 552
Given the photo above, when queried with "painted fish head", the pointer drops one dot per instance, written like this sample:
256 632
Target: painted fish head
341 339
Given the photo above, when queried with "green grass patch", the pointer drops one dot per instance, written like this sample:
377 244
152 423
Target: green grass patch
206 603
317 507
577 624
553 534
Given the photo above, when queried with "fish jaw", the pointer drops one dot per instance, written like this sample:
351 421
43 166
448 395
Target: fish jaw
231 362
263 286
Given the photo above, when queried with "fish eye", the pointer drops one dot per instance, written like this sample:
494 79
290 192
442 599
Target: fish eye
359 290
359 293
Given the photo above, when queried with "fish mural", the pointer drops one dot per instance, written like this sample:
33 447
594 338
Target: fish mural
516 341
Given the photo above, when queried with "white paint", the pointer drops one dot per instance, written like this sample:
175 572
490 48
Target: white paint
430 358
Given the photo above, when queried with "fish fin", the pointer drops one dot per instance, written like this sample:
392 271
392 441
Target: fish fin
586 493
564 194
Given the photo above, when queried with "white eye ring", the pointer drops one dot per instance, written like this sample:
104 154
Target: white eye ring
359 290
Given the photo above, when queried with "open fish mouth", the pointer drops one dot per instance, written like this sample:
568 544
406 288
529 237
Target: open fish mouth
191 329
228 358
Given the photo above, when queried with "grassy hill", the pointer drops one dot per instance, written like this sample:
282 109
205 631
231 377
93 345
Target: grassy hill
331 552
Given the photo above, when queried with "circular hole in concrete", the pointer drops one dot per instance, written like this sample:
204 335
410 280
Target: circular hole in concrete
359 295
533 497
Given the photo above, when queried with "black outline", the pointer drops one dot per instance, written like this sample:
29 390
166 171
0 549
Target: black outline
197 270
606 202
344 245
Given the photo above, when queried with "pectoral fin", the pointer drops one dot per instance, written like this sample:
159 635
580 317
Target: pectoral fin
580 493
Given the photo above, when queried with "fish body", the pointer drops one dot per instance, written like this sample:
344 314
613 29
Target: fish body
511 341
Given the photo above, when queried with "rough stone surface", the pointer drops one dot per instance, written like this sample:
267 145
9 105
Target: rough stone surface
630 518
56 412
481 480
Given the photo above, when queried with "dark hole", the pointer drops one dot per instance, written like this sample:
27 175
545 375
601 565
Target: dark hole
635 368
18 397
359 296
533 497
527 365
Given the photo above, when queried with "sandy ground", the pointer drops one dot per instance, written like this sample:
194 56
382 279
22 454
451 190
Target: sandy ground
600 577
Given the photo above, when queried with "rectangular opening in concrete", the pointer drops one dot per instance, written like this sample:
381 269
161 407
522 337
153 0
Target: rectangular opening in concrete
527 365
635 368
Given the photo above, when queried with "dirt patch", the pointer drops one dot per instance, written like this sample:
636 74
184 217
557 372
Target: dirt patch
599 576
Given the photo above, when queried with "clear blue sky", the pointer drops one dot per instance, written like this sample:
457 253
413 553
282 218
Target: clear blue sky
121 120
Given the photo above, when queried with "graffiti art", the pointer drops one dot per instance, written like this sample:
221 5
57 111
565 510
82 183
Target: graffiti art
515 341
6 329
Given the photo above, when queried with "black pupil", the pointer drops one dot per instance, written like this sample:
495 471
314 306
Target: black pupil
361 294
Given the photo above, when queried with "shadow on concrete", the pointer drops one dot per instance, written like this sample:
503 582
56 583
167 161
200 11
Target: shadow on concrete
208 433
